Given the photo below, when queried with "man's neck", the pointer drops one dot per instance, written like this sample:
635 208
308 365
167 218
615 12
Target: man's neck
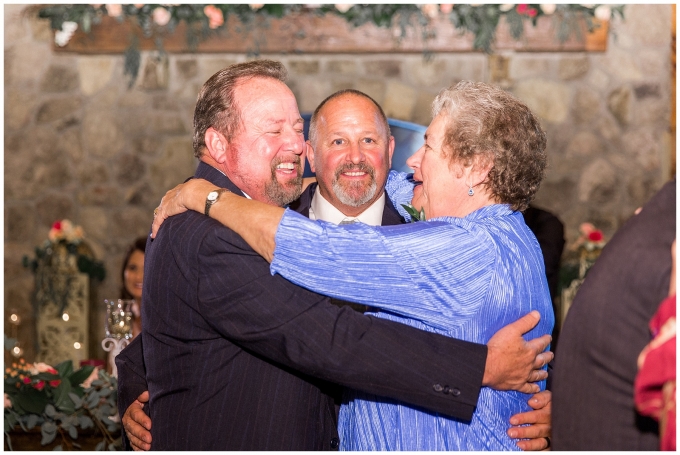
321 209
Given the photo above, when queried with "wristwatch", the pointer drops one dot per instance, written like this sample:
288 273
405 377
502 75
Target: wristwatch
212 198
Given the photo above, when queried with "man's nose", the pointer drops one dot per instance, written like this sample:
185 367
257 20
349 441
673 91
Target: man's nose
356 154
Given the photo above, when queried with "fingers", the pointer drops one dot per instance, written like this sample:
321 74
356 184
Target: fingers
534 444
529 387
527 322
540 400
137 424
543 359
540 344
137 444
530 431
143 398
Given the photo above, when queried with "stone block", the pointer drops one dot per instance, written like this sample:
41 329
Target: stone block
624 65
91 172
51 207
19 222
186 68
69 146
60 78
146 145
308 94
96 222
422 111
134 98
470 67
586 105
648 25
94 73
430 74
547 99
373 88
141 195
19 107
41 29
58 108
608 128
210 65
644 146
25 63
598 183
101 195
585 144
130 222
647 90
15 25
651 112
558 194
336 86
399 101
619 104
525 66
304 67
131 168
101 136
573 67
383 68
167 123
154 74
164 102
174 165
598 79
345 67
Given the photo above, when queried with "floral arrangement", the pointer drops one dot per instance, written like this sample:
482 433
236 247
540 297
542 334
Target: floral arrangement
203 20
64 233
60 401
590 239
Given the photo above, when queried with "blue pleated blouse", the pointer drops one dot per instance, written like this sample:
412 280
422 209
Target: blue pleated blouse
460 277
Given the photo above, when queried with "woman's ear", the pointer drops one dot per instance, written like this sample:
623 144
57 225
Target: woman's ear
480 170
216 144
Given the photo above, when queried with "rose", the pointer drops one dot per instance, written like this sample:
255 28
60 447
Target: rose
39 385
446 8
256 6
114 9
506 7
215 16
55 383
595 236
603 12
586 228
42 368
524 9
161 16
548 9
343 7
430 10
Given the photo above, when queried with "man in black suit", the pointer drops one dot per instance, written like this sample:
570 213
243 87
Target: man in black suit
605 331
223 335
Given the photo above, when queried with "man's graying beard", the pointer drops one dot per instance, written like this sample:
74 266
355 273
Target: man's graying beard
355 194
283 194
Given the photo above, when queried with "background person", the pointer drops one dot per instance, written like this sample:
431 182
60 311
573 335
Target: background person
132 279
473 267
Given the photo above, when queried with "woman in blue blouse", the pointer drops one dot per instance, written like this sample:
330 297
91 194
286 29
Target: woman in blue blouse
470 269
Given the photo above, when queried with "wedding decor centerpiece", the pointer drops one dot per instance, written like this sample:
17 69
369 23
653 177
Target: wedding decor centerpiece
62 404
203 21
64 266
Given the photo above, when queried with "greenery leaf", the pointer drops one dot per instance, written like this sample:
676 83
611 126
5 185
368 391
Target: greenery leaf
100 445
49 427
79 376
73 432
30 401
62 400
65 368
50 411
77 401
85 422
32 420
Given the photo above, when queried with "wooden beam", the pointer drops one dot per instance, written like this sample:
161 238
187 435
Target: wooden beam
309 33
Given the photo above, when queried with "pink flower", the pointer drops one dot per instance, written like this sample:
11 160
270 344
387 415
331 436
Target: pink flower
26 380
40 367
586 228
215 16
55 383
524 9
161 16
114 9
446 8
40 385
57 225
8 402
430 10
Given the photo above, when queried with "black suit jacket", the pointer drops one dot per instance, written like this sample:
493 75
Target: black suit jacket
604 332
222 336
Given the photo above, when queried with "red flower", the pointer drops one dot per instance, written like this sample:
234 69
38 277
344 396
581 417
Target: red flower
55 383
595 236
27 380
40 385
57 225
524 9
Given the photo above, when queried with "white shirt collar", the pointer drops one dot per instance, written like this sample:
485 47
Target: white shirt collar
321 209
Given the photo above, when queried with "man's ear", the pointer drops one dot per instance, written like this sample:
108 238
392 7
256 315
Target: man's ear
391 149
310 156
216 144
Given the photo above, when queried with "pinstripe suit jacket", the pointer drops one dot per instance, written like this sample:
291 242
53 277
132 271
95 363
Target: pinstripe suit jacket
230 351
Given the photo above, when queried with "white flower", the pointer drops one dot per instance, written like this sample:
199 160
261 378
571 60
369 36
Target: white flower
549 8
161 16
588 6
114 9
343 7
63 36
41 368
256 6
507 7
603 12
430 10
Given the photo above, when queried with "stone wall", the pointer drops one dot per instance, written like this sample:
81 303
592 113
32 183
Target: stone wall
80 144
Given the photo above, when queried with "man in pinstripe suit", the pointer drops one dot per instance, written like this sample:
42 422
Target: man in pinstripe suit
217 315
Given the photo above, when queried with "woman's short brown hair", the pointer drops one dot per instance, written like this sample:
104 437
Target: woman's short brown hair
487 123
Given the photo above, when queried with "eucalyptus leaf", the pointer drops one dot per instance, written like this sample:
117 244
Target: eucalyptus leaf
33 420
50 411
73 432
105 392
49 427
46 436
85 422
77 401
100 445
58 448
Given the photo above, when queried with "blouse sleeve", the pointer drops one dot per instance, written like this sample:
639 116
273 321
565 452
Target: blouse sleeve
399 189
427 270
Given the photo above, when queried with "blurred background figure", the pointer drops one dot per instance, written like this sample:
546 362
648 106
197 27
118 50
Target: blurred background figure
655 382
605 331
132 276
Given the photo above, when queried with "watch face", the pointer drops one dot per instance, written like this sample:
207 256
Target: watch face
212 195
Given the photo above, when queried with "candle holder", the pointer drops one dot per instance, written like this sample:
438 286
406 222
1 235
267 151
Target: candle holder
118 329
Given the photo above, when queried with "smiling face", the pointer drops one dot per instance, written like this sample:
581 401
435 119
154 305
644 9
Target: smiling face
265 156
352 153
133 275
442 182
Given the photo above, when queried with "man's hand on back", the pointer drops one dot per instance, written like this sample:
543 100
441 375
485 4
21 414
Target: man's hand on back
513 363
137 424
